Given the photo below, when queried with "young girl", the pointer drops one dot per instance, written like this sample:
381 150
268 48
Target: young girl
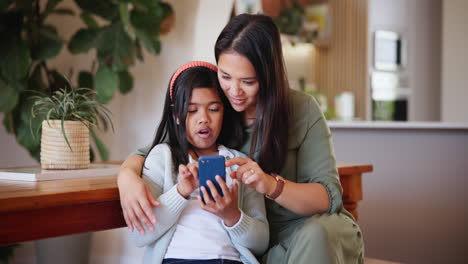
232 228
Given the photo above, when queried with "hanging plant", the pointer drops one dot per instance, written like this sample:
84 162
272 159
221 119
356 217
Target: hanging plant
27 42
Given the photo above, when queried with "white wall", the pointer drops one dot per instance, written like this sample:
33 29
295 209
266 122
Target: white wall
198 24
414 202
424 54
454 99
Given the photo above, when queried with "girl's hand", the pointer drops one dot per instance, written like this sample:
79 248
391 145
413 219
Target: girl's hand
225 206
136 201
252 175
188 179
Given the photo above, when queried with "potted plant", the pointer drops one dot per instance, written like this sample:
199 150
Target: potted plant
68 116
115 32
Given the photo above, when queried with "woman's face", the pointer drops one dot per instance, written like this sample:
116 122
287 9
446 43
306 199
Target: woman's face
239 82
204 120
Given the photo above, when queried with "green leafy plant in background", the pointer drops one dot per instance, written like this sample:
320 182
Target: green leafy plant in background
73 104
302 22
290 19
28 41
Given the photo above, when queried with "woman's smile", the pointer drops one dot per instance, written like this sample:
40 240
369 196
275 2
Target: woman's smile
237 101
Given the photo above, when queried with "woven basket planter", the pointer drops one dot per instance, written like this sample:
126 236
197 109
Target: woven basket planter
55 153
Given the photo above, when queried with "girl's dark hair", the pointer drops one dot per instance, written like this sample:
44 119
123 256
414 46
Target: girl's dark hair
174 135
257 38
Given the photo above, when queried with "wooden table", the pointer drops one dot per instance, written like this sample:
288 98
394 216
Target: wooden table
37 210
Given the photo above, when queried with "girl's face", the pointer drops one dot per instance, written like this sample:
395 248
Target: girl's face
204 120
239 82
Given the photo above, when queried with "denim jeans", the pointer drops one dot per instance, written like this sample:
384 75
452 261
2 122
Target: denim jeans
200 261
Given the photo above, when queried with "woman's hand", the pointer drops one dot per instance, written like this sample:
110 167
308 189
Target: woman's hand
135 196
301 198
188 179
252 175
226 206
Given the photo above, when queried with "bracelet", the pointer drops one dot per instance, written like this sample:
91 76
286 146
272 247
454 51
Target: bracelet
278 189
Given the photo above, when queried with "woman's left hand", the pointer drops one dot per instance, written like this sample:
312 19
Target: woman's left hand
252 175
225 206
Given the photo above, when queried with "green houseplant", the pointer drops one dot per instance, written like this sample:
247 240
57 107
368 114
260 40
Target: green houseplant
68 116
116 30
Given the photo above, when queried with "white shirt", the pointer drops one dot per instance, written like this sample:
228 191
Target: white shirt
200 234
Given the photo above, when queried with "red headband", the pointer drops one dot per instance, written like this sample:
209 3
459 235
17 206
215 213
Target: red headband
185 67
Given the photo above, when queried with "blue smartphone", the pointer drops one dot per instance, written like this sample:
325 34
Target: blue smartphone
208 168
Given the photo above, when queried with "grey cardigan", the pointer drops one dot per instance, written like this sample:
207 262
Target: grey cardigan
250 235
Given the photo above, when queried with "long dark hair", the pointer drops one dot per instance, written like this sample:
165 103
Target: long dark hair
174 135
257 38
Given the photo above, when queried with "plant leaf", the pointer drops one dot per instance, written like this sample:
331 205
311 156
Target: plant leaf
118 55
64 133
36 81
59 81
51 4
25 124
48 46
14 58
144 20
85 79
150 42
103 152
155 9
106 116
25 138
290 19
89 20
103 8
49 31
124 14
9 97
125 82
106 83
84 40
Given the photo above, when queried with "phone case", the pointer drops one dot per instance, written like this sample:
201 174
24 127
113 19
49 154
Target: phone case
208 168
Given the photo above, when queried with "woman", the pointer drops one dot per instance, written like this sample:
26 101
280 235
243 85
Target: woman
290 145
